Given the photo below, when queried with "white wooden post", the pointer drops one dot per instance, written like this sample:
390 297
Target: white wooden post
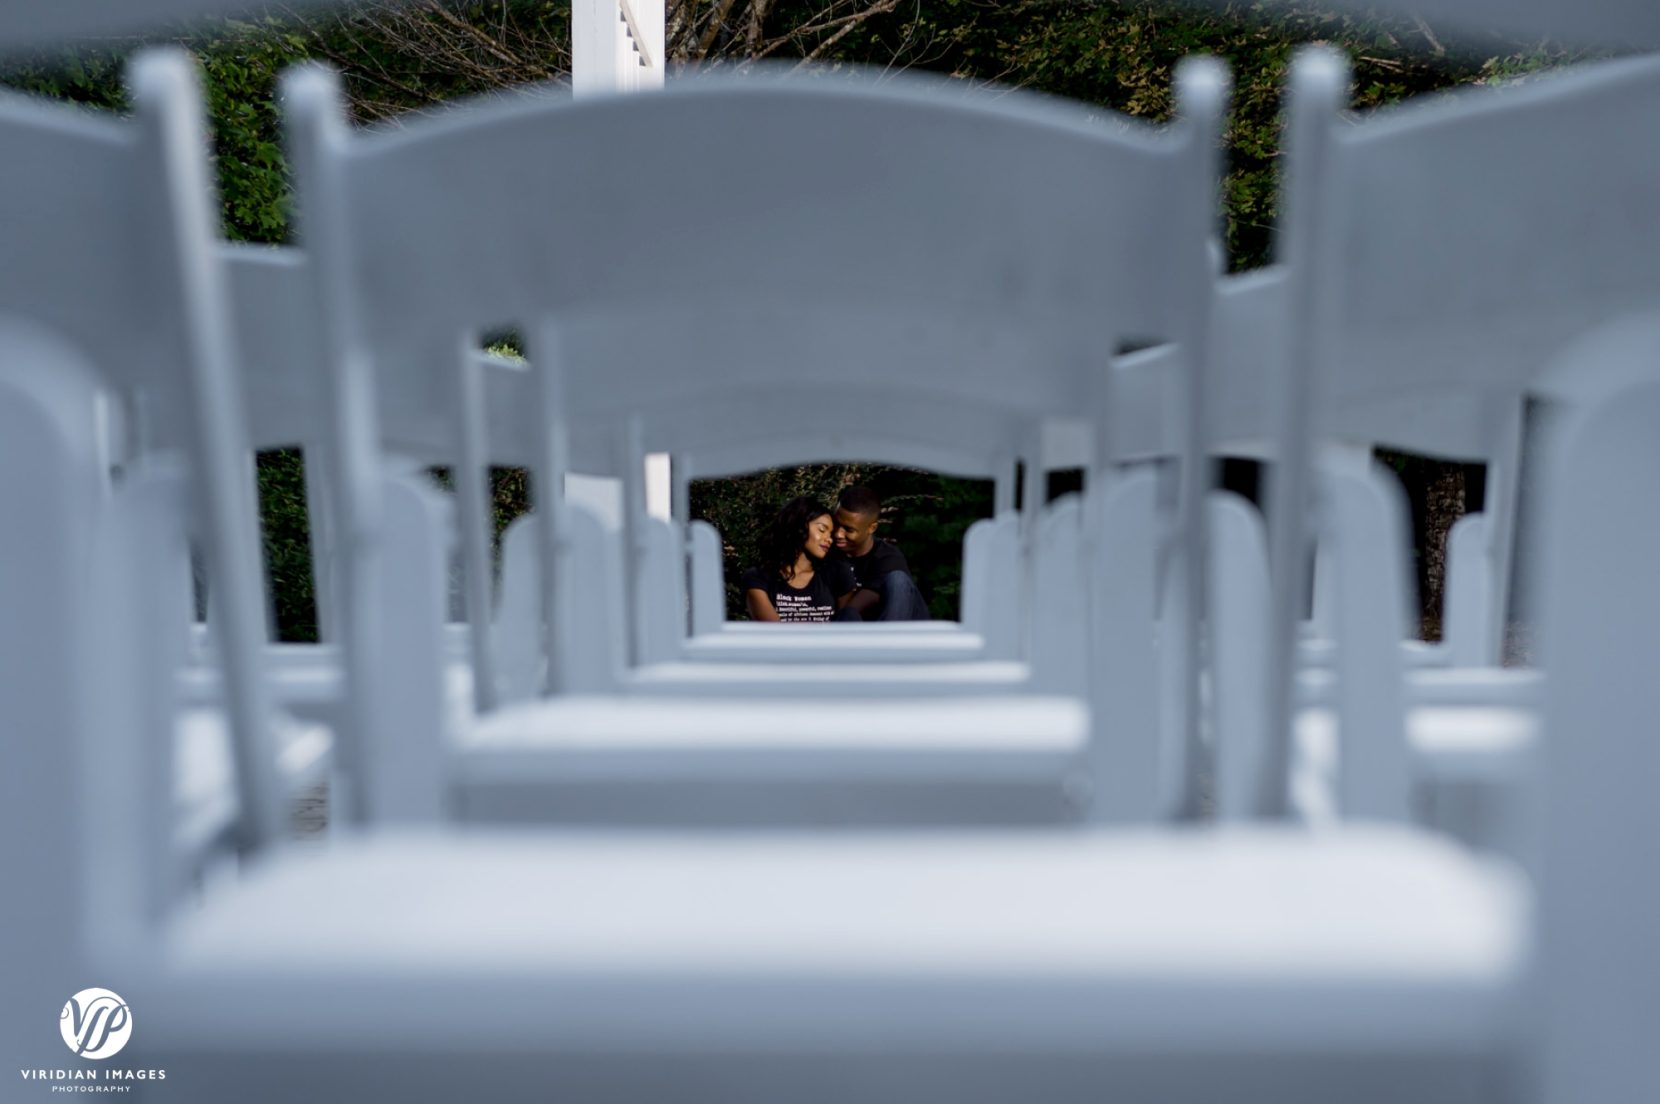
617 46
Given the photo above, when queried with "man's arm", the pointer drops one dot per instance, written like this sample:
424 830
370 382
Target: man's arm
760 605
892 559
844 584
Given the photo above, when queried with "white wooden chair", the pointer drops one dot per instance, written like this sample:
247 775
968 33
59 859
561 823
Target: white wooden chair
385 310
1250 338
115 350
1487 315
281 360
97 210
1486 320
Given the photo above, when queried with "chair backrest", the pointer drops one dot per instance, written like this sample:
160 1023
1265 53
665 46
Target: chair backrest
1617 24
529 250
1497 256
62 22
1469 593
717 438
108 229
1599 900
661 615
707 585
990 601
895 202
714 436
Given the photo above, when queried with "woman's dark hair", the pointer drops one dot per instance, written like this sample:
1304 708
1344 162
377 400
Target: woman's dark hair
787 534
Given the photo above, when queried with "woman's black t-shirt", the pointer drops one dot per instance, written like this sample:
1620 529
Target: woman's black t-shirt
814 602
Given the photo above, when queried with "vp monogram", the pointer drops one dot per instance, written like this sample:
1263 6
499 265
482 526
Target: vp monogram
96 1023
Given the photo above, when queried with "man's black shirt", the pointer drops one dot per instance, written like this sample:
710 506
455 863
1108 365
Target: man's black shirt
883 558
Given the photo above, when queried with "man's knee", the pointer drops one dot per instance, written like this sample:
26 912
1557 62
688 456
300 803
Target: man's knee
901 598
896 582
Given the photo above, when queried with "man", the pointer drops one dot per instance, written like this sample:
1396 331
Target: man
886 590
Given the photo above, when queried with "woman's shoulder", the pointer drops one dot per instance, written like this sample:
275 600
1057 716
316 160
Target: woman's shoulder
755 578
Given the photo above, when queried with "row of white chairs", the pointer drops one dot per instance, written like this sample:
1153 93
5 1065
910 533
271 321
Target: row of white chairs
943 965
279 407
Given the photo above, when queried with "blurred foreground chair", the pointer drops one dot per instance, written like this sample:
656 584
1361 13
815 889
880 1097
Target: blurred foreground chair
112 313
123 430
1436 305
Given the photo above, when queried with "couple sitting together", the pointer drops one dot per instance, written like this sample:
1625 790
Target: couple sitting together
822 566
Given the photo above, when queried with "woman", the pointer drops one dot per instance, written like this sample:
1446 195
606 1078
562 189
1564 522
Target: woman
794 581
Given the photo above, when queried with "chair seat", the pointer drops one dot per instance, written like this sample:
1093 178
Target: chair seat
1519 687
309 683
1368 938
867 628
850 645
771 761
1415 654
1449 743
793 680
203 777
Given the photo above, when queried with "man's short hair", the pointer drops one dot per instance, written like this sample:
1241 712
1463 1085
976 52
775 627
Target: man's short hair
861 500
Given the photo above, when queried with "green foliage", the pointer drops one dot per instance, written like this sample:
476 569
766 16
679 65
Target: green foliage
926 515
287 543
240 66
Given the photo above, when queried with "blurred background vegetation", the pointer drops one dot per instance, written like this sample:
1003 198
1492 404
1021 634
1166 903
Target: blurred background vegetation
415 55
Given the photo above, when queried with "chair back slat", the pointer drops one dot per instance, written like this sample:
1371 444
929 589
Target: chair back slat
1132 776
1363 514
171 117
1239 602
662 597
1319 83
1599 763
1059 647
708 585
